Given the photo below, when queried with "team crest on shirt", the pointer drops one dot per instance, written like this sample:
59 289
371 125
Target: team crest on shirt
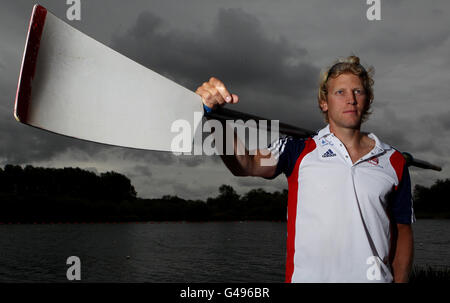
374 161
328 153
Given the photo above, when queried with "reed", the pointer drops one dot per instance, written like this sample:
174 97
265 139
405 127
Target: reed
427 273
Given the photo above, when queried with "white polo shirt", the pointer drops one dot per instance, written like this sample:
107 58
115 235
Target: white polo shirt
341 214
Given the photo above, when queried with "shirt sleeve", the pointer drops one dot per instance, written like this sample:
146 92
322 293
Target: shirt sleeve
286 151
402 203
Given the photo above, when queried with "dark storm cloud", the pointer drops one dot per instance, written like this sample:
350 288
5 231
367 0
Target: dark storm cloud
428 126
149 156
165 158
192 161
236 50
139 171
408 28
416 135
391 41
21 144
437 12
445 120
92 170
251 182
390 132
184 190
188 190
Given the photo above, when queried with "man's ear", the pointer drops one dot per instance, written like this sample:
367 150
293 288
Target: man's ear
323 105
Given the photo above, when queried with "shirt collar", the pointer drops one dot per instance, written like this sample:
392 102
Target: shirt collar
324 132
379 146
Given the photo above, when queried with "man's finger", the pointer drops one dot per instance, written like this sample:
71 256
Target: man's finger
222 89
235 98
214 97
206 97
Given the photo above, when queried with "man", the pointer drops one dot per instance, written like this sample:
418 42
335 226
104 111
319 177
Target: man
349 202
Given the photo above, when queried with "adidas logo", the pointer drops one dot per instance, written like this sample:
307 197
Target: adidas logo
329 153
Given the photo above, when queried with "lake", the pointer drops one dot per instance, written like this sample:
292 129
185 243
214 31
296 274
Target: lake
170 252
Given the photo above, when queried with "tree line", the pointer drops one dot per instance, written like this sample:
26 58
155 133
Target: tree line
433 201
36 194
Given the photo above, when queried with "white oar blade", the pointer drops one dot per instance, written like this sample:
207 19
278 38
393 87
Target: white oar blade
73 85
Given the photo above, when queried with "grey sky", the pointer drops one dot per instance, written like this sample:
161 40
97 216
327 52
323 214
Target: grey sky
267 52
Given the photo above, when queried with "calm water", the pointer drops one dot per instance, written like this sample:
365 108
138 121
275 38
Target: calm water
170 252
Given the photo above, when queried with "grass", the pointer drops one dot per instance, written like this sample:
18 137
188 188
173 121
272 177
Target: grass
421 274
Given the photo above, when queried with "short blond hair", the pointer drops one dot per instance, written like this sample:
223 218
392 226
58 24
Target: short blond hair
347 65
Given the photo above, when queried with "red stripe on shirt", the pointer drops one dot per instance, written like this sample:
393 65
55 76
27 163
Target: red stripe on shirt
398 162
310 145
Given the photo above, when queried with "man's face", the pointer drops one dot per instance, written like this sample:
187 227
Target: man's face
346 101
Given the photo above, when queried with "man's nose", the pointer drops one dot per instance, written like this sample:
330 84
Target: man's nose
352 99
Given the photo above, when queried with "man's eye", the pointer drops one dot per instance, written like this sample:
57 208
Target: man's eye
340 92
358 91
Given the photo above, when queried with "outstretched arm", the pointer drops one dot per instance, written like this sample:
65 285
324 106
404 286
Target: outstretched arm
214 93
